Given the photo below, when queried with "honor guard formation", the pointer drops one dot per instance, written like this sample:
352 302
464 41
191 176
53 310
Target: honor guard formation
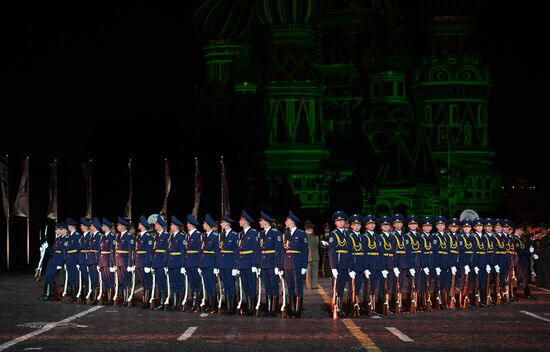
387 265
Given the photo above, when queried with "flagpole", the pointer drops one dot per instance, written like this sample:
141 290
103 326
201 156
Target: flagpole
28 210
8 241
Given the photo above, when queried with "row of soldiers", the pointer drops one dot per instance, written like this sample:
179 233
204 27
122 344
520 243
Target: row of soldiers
179 267
468 263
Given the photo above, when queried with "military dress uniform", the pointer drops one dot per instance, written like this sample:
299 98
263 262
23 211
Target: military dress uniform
414 254
176 261
427 265
339 257
143 258
465 263
295 263
107 261
453 257
399 260
72 259
124 260
208 262
357 260
83 257
480 262
440 253
386 252
56 261
522 246
192 256
271 258
93 261
500 243
159 263
370 246
249 252
227 262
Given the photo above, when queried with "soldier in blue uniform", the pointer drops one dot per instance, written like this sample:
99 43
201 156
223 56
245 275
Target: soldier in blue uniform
339 257
143 258
386 252
72 258
82 265
94 269
57 253
452 263
372 271
481 266
399 259
124 259
414 253
208 263
160 262
490 256
500 242
295 263
228 261
440 253
357 264
176 261
465 262
507 230
271 256
192 256
524 249
426 263
107 260
249 253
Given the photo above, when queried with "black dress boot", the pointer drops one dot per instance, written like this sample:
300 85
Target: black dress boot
292 300
162 298
299 302
195 303
250 306
230 304
269 307
274 306
47 293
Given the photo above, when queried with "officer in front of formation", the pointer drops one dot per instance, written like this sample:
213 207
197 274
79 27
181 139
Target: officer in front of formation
208 263
159 263
143 258
227 261
271 261
295 263
72 259
339 257
192 256
57 253
249 252
176 261
124 259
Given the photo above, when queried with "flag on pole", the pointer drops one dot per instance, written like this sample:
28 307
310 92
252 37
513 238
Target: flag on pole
5 185
226 209
128 208
87 171
198 187
167 186
21 206
52 191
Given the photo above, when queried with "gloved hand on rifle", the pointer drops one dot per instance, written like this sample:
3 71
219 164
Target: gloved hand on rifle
476 269
453 270
183 271
396 271
335 273
352 274
438 271
426 271
147 270
497 268
367 273
466 269
234 272
385 274
412 271
488 269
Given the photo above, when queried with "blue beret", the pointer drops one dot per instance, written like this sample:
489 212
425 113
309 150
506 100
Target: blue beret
192 220
489 222
413 219
208 219
478 221
85 222
227 218
266 217
369 219
397 218
247 217
356 218
96 223
467 222
293 217
71 221
440 220
384 220
175 221
339 215
106 222
426 221
144 222
161 221
454 222
60 225
122 221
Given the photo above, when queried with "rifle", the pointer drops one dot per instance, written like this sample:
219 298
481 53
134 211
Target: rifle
184 301
465 292
257 308
283 306
38 270
220 294
241 294
413 295
452 305
356 308
488 300
369 306
334 300
478 295
438 291
131 296
386 309
152 300
397 296
497 288
428 294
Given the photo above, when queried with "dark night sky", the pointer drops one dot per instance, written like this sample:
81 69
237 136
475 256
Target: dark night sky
88 70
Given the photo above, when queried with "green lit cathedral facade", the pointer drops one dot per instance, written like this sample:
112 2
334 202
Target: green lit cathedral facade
340 95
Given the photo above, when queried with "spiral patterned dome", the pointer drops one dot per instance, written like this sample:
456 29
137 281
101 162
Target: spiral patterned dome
222 19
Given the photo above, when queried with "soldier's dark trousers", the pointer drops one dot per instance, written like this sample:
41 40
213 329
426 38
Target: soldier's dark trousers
295 281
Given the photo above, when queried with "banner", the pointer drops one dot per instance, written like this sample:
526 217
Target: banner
21 206
198 187
226 209
128 208
167 186
5 185
52 191
87 171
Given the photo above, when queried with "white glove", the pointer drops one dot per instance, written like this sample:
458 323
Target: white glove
182 271
254 269
335 273
216 271
531 249
426 271
98 269
59 267
152 270
476 269
488 269
281 273
324 243
497 268
466 269
438 271
259 271
352 274
304 271
385 273
412 271
535 256
367 273
78 266
453 270
276 271
396 272
129 269
165 270
112 269
43 247
147 270
133 268
234 272
199 270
